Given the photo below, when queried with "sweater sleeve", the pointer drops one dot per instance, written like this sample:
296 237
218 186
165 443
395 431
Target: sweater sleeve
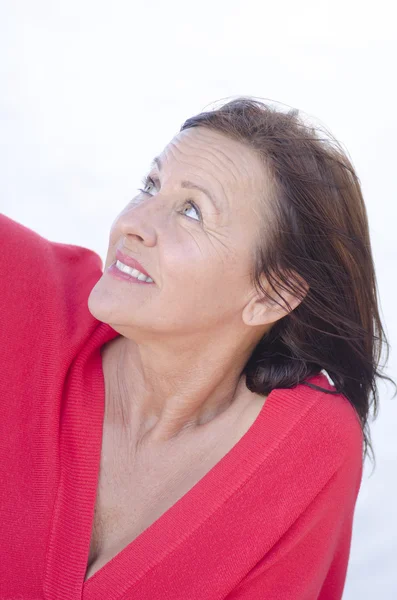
309 562
43 303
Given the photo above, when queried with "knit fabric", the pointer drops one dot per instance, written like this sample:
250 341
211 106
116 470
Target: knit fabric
271 520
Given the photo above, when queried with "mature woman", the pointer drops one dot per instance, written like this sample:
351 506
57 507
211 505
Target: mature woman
190 423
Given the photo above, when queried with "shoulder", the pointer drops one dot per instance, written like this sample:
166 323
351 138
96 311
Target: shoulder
333 429
318 434
333 414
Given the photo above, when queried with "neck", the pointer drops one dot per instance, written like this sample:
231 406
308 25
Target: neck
159 392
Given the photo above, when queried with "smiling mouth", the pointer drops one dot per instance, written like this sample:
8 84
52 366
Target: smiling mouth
131 272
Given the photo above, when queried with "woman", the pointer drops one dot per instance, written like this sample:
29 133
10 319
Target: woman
168 425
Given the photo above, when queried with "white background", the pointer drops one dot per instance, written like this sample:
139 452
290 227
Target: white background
91 91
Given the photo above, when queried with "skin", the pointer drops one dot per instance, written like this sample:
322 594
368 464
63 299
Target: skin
184 340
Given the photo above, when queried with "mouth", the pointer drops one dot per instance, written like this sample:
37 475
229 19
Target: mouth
130 266
130 272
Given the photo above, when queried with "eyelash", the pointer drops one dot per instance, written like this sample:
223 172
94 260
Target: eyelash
146 180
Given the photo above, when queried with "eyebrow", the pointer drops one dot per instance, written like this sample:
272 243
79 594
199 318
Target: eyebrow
189 184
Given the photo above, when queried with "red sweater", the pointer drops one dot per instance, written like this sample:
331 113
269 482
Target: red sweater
271 520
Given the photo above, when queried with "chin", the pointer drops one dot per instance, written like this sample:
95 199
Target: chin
96 305
105 309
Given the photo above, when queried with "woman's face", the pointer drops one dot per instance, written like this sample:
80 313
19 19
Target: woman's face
197 250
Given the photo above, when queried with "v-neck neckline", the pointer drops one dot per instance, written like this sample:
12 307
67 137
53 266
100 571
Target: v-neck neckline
81 430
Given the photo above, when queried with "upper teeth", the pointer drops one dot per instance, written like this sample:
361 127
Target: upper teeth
132 272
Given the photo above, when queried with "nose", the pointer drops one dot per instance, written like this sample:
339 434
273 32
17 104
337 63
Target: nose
136 222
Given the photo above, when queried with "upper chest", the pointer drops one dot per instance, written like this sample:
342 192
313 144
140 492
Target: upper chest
136 488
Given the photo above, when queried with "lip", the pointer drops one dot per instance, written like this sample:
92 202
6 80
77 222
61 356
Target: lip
131 262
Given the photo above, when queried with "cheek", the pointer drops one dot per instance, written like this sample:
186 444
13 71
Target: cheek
110 256
206 285
113 243
205 267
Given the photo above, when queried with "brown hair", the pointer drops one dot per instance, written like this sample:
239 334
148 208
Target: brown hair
320 233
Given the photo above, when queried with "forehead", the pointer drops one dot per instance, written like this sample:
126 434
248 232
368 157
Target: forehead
214 157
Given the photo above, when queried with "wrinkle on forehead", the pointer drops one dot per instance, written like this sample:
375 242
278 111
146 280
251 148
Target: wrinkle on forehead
231 170
236 170
242 171
219 151
239 147
205 172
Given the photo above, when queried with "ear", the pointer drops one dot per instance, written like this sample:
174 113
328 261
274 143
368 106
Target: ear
261 310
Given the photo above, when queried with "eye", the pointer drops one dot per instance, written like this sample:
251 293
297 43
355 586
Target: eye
145 182
148 181
191 205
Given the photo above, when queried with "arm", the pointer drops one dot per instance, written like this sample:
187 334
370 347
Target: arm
41 282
